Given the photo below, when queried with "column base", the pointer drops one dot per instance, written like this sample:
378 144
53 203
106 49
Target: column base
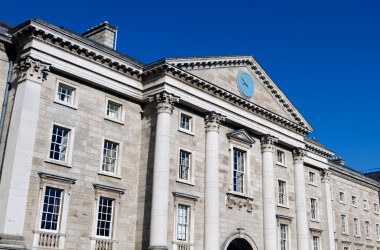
12 242
155 248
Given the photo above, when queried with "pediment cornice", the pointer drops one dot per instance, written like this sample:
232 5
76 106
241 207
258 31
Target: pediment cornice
242 136
238 61
162 67
315 147
30 31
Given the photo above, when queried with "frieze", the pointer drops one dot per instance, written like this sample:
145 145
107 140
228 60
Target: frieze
240 202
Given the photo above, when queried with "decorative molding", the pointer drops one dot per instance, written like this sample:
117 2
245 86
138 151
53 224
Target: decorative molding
56 178
326 175
284 217
165 101
186 196
241 136
31 32
33 69
161 68
354 176
298 155
316 230
313 146
267 142
120 191
239 201
213 121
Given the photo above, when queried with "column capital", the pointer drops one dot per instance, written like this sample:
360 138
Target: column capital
213 121
298 154
165 101
267 142
326 175
33 69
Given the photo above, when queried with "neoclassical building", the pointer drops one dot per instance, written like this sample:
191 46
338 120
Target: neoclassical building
100 151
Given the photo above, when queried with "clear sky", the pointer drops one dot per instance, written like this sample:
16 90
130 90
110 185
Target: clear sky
324 55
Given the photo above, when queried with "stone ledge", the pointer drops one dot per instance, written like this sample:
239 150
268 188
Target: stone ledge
12 242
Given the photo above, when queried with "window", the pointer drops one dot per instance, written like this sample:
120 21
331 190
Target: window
184 165
346 248
105 214
282 193
316 243
114 110
284 245
365 204
367 230
344 224
334 223
342 197
312 178
65 93
376 207
280 157
356 227
239 166
110 156
185 123
354 201
314 208
378 232
183 222
59 143
51 209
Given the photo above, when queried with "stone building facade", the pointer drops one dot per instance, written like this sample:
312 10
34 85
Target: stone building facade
100 151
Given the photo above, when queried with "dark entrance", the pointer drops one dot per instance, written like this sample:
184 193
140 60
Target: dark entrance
239 244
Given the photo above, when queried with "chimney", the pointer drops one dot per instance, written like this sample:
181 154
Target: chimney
104 34
338 160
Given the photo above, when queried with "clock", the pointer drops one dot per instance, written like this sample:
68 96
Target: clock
245 84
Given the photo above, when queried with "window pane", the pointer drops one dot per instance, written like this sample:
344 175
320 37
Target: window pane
110 153
282 192
51 208
283 237
104 217
184 165
59 143
185 122
238 169
182 222
114 110
65 93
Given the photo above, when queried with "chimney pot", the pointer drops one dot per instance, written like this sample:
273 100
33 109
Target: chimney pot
103 33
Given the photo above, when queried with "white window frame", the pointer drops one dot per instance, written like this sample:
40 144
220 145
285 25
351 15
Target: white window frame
346 230
367 234
358 233
112 217
189 131
70 145
316 209
75 90
377 231
376 208
365 205
246 179
287 236
121 117
344 197
190 202
352 201
191 180
312 242
117 173
283 158
334 220
286 201
313 183
57 182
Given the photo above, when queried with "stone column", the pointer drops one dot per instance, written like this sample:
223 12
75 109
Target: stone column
301 212
269 199
329 225
18 157
211 234
161 165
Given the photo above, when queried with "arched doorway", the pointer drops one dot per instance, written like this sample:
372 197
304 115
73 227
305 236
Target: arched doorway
239 244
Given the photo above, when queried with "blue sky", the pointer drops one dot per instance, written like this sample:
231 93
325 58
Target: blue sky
325 55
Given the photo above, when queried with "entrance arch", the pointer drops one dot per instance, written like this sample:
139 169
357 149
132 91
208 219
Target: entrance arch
239 241
239 244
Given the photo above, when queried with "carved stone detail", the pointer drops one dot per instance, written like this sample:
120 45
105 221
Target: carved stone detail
240 202
267 142
165 101
326 175
213 120
298 154
33 69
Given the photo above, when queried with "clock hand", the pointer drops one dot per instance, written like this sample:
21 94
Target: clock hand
244 82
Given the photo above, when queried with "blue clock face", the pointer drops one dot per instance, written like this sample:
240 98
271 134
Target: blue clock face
245 84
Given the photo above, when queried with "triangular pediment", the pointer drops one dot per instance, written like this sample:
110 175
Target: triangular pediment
223 72
242 136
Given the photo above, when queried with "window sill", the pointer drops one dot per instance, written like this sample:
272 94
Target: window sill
185 182
109 175
186 131
341 202
241 195
357 236
314 220
59 163
345 234
281 165
283 206
355 206
73 106
114 120
313 184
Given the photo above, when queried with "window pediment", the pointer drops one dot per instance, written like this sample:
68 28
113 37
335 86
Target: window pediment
241 136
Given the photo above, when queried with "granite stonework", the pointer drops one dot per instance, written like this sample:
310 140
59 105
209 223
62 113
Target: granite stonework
153 98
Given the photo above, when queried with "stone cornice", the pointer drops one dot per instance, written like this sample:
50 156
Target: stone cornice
33 32
318 149
354 176
235 61
56 178
162 68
